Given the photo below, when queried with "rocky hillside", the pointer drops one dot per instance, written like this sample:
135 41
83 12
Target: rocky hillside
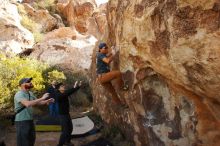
169 52
71 47
61 33
13 36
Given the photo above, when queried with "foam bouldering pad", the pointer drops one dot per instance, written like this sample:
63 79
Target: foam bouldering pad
81 126
48 120
47 123
46 128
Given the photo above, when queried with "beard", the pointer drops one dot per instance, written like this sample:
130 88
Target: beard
29 86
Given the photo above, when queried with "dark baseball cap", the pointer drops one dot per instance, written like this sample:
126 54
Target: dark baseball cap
24 80
101 45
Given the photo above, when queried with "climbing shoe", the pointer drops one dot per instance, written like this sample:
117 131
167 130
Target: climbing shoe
125 86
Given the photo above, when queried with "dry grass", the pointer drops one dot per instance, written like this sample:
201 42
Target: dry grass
30 24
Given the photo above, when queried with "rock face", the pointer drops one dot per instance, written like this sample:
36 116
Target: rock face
13 36
45 21
67 49
169 53
80 14
64 32
97 25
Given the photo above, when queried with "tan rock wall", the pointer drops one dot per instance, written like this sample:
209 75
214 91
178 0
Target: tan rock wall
14 38
42 17
84 16
169 51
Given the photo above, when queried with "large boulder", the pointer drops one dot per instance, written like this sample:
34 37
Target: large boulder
80 14
169 53
76 13
66 49
64 32
97 24
45 21
13 36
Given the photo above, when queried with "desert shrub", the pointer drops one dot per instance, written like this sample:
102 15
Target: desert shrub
29 24
38 36
13 69
46 4
32 26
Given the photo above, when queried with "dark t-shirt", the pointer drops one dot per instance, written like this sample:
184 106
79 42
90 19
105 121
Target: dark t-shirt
101 66
63 101
52 92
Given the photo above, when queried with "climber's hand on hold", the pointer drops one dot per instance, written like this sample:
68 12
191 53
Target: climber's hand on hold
113 50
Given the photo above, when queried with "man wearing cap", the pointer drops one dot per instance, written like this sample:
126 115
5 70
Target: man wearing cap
24 119
105 76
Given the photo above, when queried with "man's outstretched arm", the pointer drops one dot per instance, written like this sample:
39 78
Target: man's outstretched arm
40 101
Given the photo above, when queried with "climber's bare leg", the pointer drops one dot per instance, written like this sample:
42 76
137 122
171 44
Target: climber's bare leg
107 77
111 90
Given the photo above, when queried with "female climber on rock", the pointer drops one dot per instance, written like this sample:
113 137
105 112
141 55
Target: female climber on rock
105 75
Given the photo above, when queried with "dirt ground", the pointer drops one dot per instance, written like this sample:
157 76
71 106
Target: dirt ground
8 133
48 138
